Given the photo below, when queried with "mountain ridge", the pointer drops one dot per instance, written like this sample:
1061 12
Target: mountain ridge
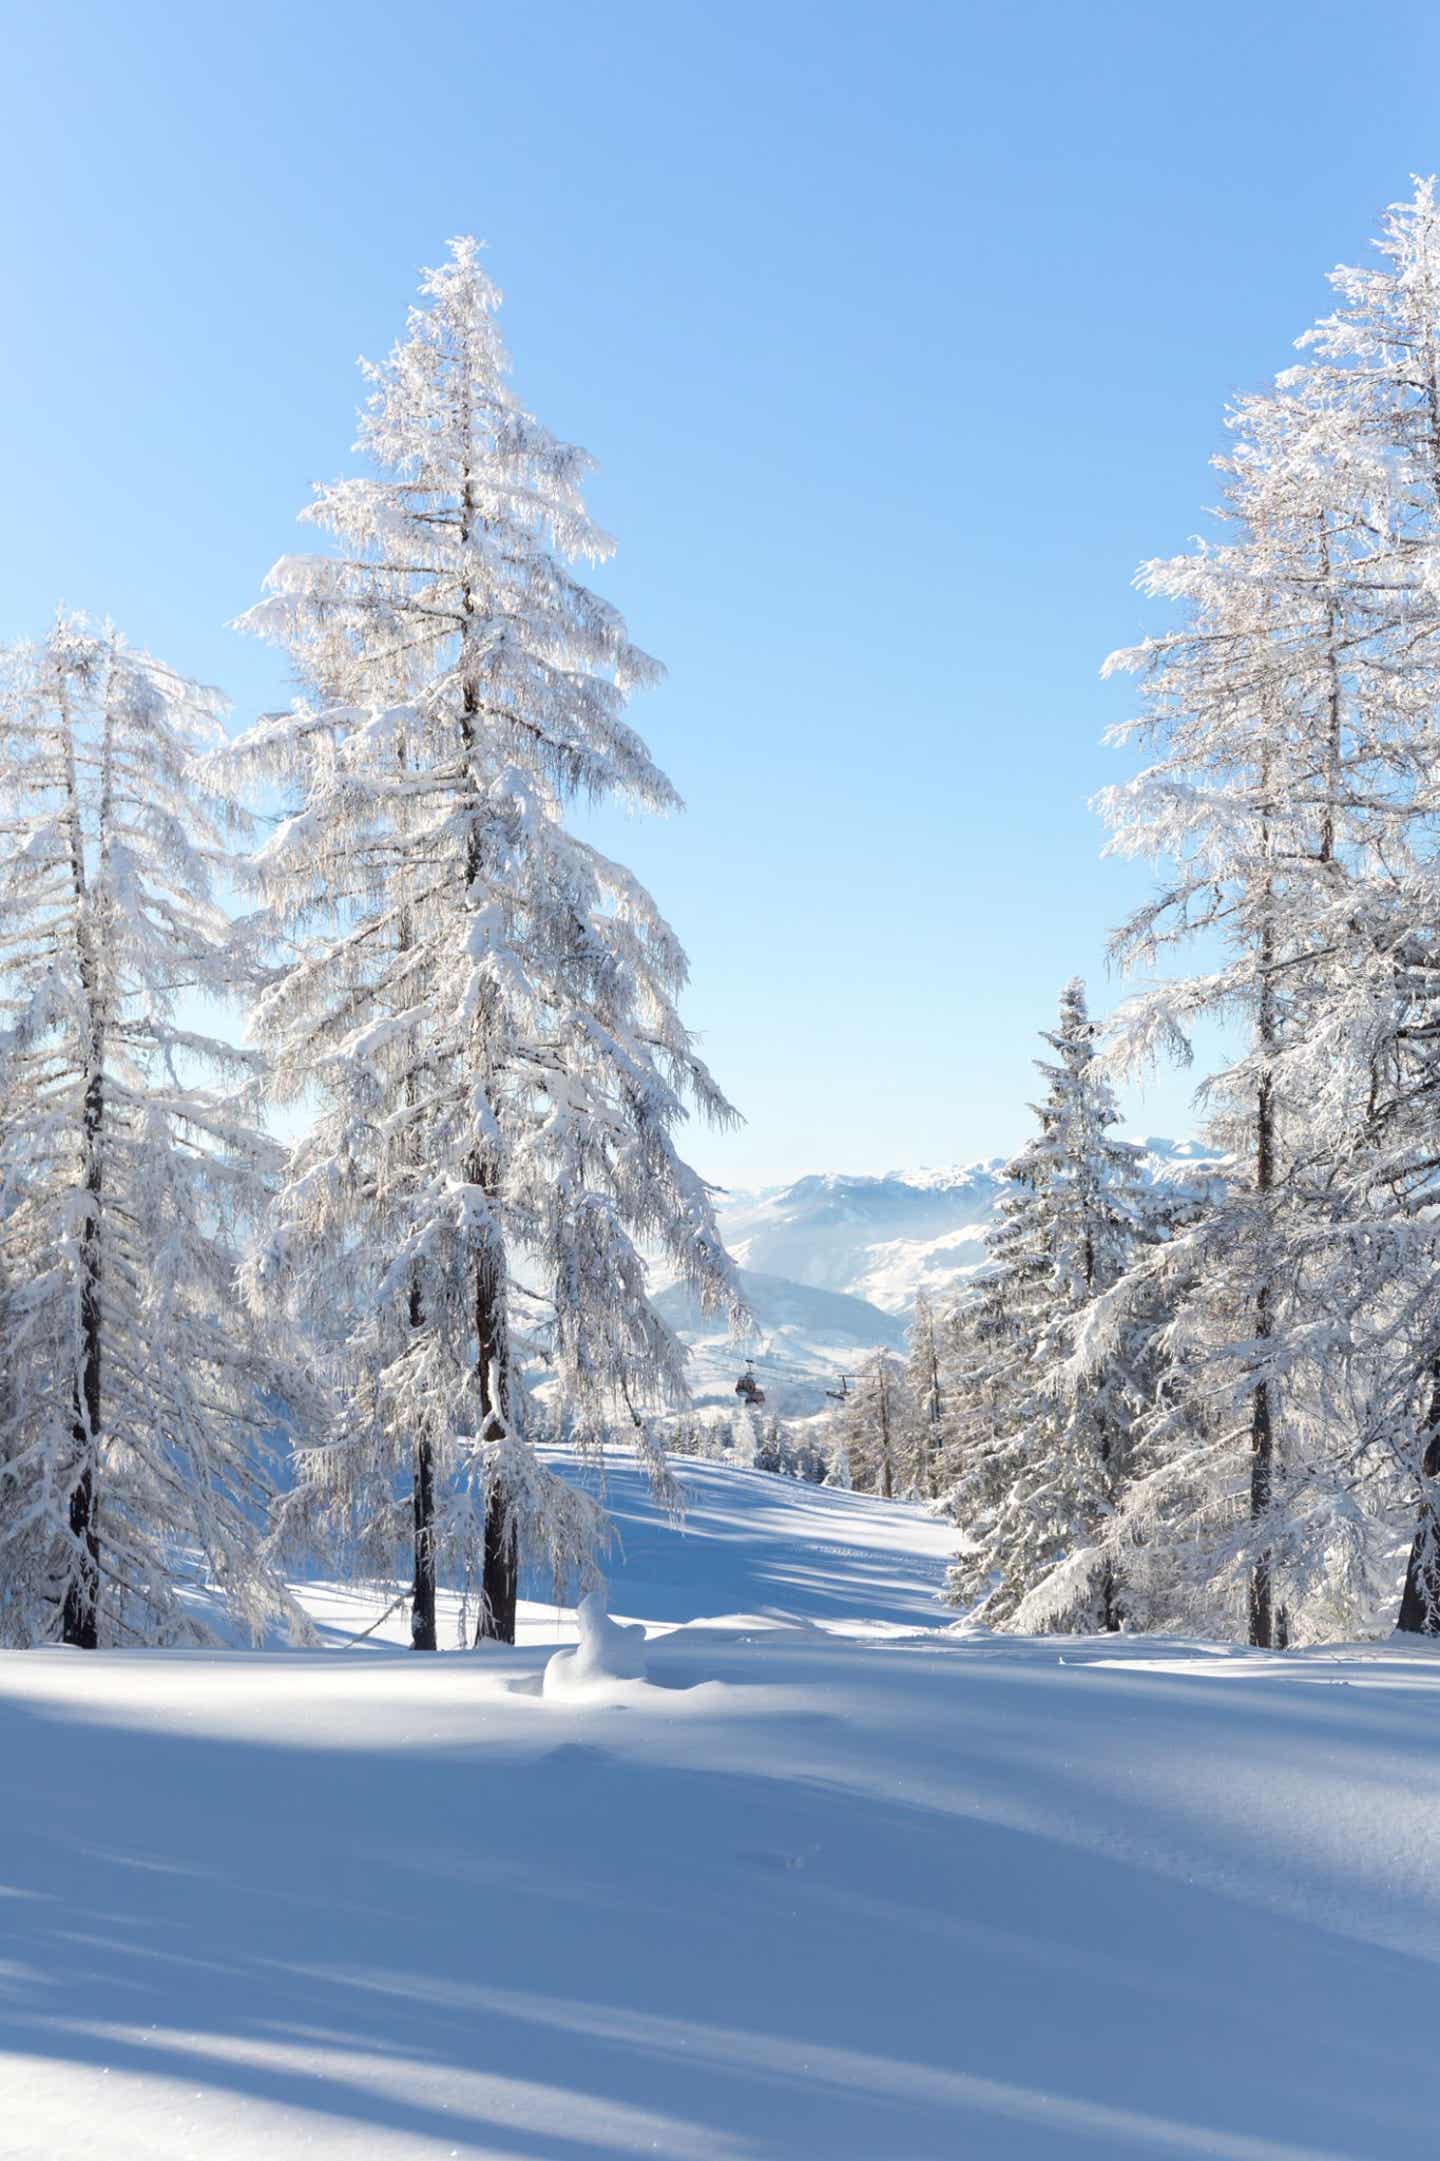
832 1262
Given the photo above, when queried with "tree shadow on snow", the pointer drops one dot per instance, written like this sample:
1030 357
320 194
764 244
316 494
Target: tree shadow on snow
574 1953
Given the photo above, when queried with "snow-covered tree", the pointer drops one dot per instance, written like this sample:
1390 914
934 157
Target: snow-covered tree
745 1441
874 1429
772 1453
792 1450
926 1389
1293 798
1244 799
1042 1452
137 1405
1376 374
836 1445
479 1003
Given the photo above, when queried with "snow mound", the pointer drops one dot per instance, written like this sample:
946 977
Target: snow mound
608 1651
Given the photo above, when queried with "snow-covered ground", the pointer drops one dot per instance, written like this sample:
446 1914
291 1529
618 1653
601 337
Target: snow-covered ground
831 1884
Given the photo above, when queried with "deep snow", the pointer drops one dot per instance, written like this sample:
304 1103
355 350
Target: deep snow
833 1882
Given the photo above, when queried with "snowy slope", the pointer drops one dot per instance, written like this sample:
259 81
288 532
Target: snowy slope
833 1885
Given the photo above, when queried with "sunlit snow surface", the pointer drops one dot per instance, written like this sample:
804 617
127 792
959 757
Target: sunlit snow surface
831 1882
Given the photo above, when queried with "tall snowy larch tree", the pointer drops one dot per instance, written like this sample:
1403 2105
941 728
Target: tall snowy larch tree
1376 371
1295 795
1036 1488
479 1003
136 1402
1249 798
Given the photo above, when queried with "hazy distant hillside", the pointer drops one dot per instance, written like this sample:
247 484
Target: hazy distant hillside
831 1265
885 1238
878 1238
803 1338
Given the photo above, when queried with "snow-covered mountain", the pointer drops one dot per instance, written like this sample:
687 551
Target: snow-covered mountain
880 1239
803 1338
831 1265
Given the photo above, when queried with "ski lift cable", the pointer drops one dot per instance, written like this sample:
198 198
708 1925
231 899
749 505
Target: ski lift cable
775 1369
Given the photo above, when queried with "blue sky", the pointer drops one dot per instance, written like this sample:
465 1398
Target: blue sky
900 333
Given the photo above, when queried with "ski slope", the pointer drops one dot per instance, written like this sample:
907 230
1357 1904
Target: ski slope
833 1884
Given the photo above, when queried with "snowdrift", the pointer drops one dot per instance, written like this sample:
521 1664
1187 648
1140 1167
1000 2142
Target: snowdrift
607 1652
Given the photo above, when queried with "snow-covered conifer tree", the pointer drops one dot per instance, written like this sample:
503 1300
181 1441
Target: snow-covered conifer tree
481 1004
1376 376
136 1402
1294 795
1038 1471
1244 799
923 1376
875 1429
772 1453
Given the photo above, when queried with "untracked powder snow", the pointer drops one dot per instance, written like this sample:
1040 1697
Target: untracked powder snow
839 1882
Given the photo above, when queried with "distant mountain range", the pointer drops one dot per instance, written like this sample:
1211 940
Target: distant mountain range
831 1266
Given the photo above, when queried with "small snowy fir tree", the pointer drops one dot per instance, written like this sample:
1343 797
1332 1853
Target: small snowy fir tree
837 1453
772 1453
1038 1481
136 1403
926 1389
875 1429
479 1003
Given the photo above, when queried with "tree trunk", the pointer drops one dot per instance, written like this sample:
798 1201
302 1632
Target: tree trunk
1262 1474
930 1424
422 1482
80 1619
1420 1601
887 1472
422 1606
501 1570
1419 1613
1110 1614
80 1613
1262 1413
502 1575
1334 704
